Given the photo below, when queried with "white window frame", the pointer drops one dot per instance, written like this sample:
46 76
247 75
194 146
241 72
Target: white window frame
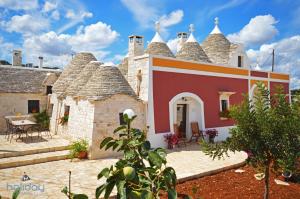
224 95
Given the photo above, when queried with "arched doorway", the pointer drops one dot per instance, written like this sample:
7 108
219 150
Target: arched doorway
185 108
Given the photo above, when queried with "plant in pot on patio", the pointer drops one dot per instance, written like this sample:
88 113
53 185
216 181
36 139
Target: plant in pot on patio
171 140
211 133
79 149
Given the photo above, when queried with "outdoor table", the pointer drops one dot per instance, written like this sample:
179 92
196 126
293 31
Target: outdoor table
22 124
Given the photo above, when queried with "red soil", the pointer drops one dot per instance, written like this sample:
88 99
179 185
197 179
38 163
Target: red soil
231 185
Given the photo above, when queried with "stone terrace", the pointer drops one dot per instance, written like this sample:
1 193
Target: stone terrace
189 162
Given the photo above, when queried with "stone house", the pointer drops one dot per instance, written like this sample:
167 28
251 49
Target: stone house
24 90
94 102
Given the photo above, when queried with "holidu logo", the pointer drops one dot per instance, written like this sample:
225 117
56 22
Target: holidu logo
26 187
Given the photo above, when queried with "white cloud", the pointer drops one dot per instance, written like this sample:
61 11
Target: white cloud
55 15
172 44
259 30
147 12
287 58
225 6
93 38
75 18
19 4
26 24
143 11
6 49
49 6
173 18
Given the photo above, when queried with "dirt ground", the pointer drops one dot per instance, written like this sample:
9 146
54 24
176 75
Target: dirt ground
232 185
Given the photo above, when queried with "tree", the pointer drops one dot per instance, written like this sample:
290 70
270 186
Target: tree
142 172
267 128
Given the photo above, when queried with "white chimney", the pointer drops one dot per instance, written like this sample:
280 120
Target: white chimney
17 58
41 61
182 37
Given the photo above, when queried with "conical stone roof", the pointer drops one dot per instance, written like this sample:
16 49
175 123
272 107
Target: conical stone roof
159 48
72 70
217 48
82 78
191 50
106 82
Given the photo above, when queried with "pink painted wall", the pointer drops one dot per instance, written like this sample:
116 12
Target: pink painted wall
166 85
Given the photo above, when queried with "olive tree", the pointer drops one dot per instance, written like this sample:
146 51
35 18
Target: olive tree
267 128
142 172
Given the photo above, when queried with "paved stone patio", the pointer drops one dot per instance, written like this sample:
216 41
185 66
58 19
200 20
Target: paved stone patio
51 177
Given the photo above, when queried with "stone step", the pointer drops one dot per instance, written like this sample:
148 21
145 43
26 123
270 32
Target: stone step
31 151
33 159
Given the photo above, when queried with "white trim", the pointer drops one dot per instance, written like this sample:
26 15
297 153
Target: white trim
196 72
179 96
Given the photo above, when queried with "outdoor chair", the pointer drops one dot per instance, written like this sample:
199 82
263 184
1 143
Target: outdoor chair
7 132
181 139
33 129
13 130
196 133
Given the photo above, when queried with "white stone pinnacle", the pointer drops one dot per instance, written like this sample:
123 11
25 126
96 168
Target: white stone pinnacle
216 30
191 37
157 37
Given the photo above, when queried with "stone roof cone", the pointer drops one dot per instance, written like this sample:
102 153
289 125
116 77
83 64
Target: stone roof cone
106 82
157 46
82 78
191 49
217 46
72 70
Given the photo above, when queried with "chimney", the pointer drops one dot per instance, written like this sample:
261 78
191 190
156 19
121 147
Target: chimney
135 46
182 37
41 61
17 58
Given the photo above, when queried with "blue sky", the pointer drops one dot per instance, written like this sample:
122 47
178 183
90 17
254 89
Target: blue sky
57 28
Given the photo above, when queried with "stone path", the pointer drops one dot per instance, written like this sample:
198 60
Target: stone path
49 178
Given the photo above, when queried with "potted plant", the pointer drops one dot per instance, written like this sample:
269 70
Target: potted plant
64 119
78 149
224 115
211 133
171 140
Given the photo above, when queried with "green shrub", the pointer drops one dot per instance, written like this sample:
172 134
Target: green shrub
77 147
42 119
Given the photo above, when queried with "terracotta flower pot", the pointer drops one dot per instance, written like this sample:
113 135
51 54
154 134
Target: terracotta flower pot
82 155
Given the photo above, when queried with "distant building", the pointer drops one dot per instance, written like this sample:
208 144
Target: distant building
24 90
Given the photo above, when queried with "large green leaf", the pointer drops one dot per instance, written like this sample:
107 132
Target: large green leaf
16 193
105 141
121 190
80 196
109 189
99 190
120 128
155 159
104 172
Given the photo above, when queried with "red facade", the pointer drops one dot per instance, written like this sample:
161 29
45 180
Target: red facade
166 85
